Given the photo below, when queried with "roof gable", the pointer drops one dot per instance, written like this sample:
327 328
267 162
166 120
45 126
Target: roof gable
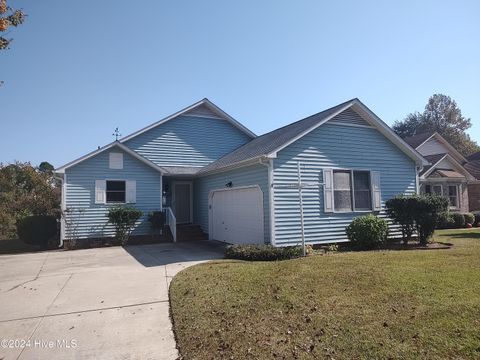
445 162
62 169
203 108
432 143
269 144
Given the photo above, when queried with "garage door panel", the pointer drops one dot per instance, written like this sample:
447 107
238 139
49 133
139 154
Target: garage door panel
237 216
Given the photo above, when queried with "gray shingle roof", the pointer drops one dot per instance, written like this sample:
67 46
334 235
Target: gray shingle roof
269 142
432 159
473 167
416 140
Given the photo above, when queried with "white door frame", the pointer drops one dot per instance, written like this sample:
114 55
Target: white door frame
210 201
183 182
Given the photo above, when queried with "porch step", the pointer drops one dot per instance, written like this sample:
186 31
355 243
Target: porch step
190 232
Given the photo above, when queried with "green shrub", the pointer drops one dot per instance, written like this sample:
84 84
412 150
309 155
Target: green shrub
469 218
477 218
458 220
428 210
156 220
399 209
367 232
124 219
262 252
37 230
446 221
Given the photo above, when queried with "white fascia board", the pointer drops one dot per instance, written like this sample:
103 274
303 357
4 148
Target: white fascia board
205 102
456 164
273 154
129 151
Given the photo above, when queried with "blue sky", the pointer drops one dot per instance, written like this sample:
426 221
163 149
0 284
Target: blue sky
78 69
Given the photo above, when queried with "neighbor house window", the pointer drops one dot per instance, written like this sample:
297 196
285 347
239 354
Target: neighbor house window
433 189
115 191
453 195
352 198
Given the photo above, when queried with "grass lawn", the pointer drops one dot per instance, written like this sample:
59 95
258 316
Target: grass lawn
421 304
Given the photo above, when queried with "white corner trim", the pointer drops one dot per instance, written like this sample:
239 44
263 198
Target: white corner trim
205 102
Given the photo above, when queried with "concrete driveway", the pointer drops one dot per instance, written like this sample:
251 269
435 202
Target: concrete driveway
107 303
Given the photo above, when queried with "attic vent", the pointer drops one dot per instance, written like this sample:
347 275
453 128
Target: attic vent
202 111
349 117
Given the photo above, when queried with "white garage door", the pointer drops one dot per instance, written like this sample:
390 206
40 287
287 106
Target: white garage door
237 216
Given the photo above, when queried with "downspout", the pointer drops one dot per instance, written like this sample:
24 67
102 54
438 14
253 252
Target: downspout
271 204
417 178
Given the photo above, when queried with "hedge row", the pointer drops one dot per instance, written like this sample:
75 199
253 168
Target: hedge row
262 252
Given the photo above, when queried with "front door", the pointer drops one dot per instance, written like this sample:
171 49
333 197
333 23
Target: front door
182 201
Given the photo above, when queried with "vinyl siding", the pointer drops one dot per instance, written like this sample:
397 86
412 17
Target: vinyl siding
334 146
432 147
80 194
188 141
245 176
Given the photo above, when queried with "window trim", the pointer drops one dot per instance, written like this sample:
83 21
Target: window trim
106 192
352 191
431 189
457 189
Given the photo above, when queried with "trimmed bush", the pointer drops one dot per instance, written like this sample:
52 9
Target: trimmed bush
124 219
367 232
399 209
458 220
262 252
446 221
477 218
429 210
469 218
37 230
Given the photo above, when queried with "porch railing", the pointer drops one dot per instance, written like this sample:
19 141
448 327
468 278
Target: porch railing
171 221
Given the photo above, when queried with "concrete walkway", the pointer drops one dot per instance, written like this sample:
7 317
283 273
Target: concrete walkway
108 303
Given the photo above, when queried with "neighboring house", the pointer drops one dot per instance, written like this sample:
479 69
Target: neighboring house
448 173
473 167
204 168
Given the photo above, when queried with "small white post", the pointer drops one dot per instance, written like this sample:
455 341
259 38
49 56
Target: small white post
301 207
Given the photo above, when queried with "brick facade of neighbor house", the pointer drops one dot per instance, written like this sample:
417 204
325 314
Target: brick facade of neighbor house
474 196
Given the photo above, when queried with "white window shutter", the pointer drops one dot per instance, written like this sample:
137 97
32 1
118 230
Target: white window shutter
100 191
376 190
328 190
131 191
116 160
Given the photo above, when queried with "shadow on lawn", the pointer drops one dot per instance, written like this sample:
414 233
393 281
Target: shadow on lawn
463 235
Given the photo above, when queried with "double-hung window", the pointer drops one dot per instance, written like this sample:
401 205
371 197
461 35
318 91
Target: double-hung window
352 190
116 191
453 195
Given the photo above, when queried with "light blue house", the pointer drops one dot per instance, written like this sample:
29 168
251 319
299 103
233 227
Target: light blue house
205 169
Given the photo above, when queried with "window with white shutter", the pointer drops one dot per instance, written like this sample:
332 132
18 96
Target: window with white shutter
100 191
131 192
328 190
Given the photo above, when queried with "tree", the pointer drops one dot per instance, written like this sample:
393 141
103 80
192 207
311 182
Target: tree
8 17
442 115
25 191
